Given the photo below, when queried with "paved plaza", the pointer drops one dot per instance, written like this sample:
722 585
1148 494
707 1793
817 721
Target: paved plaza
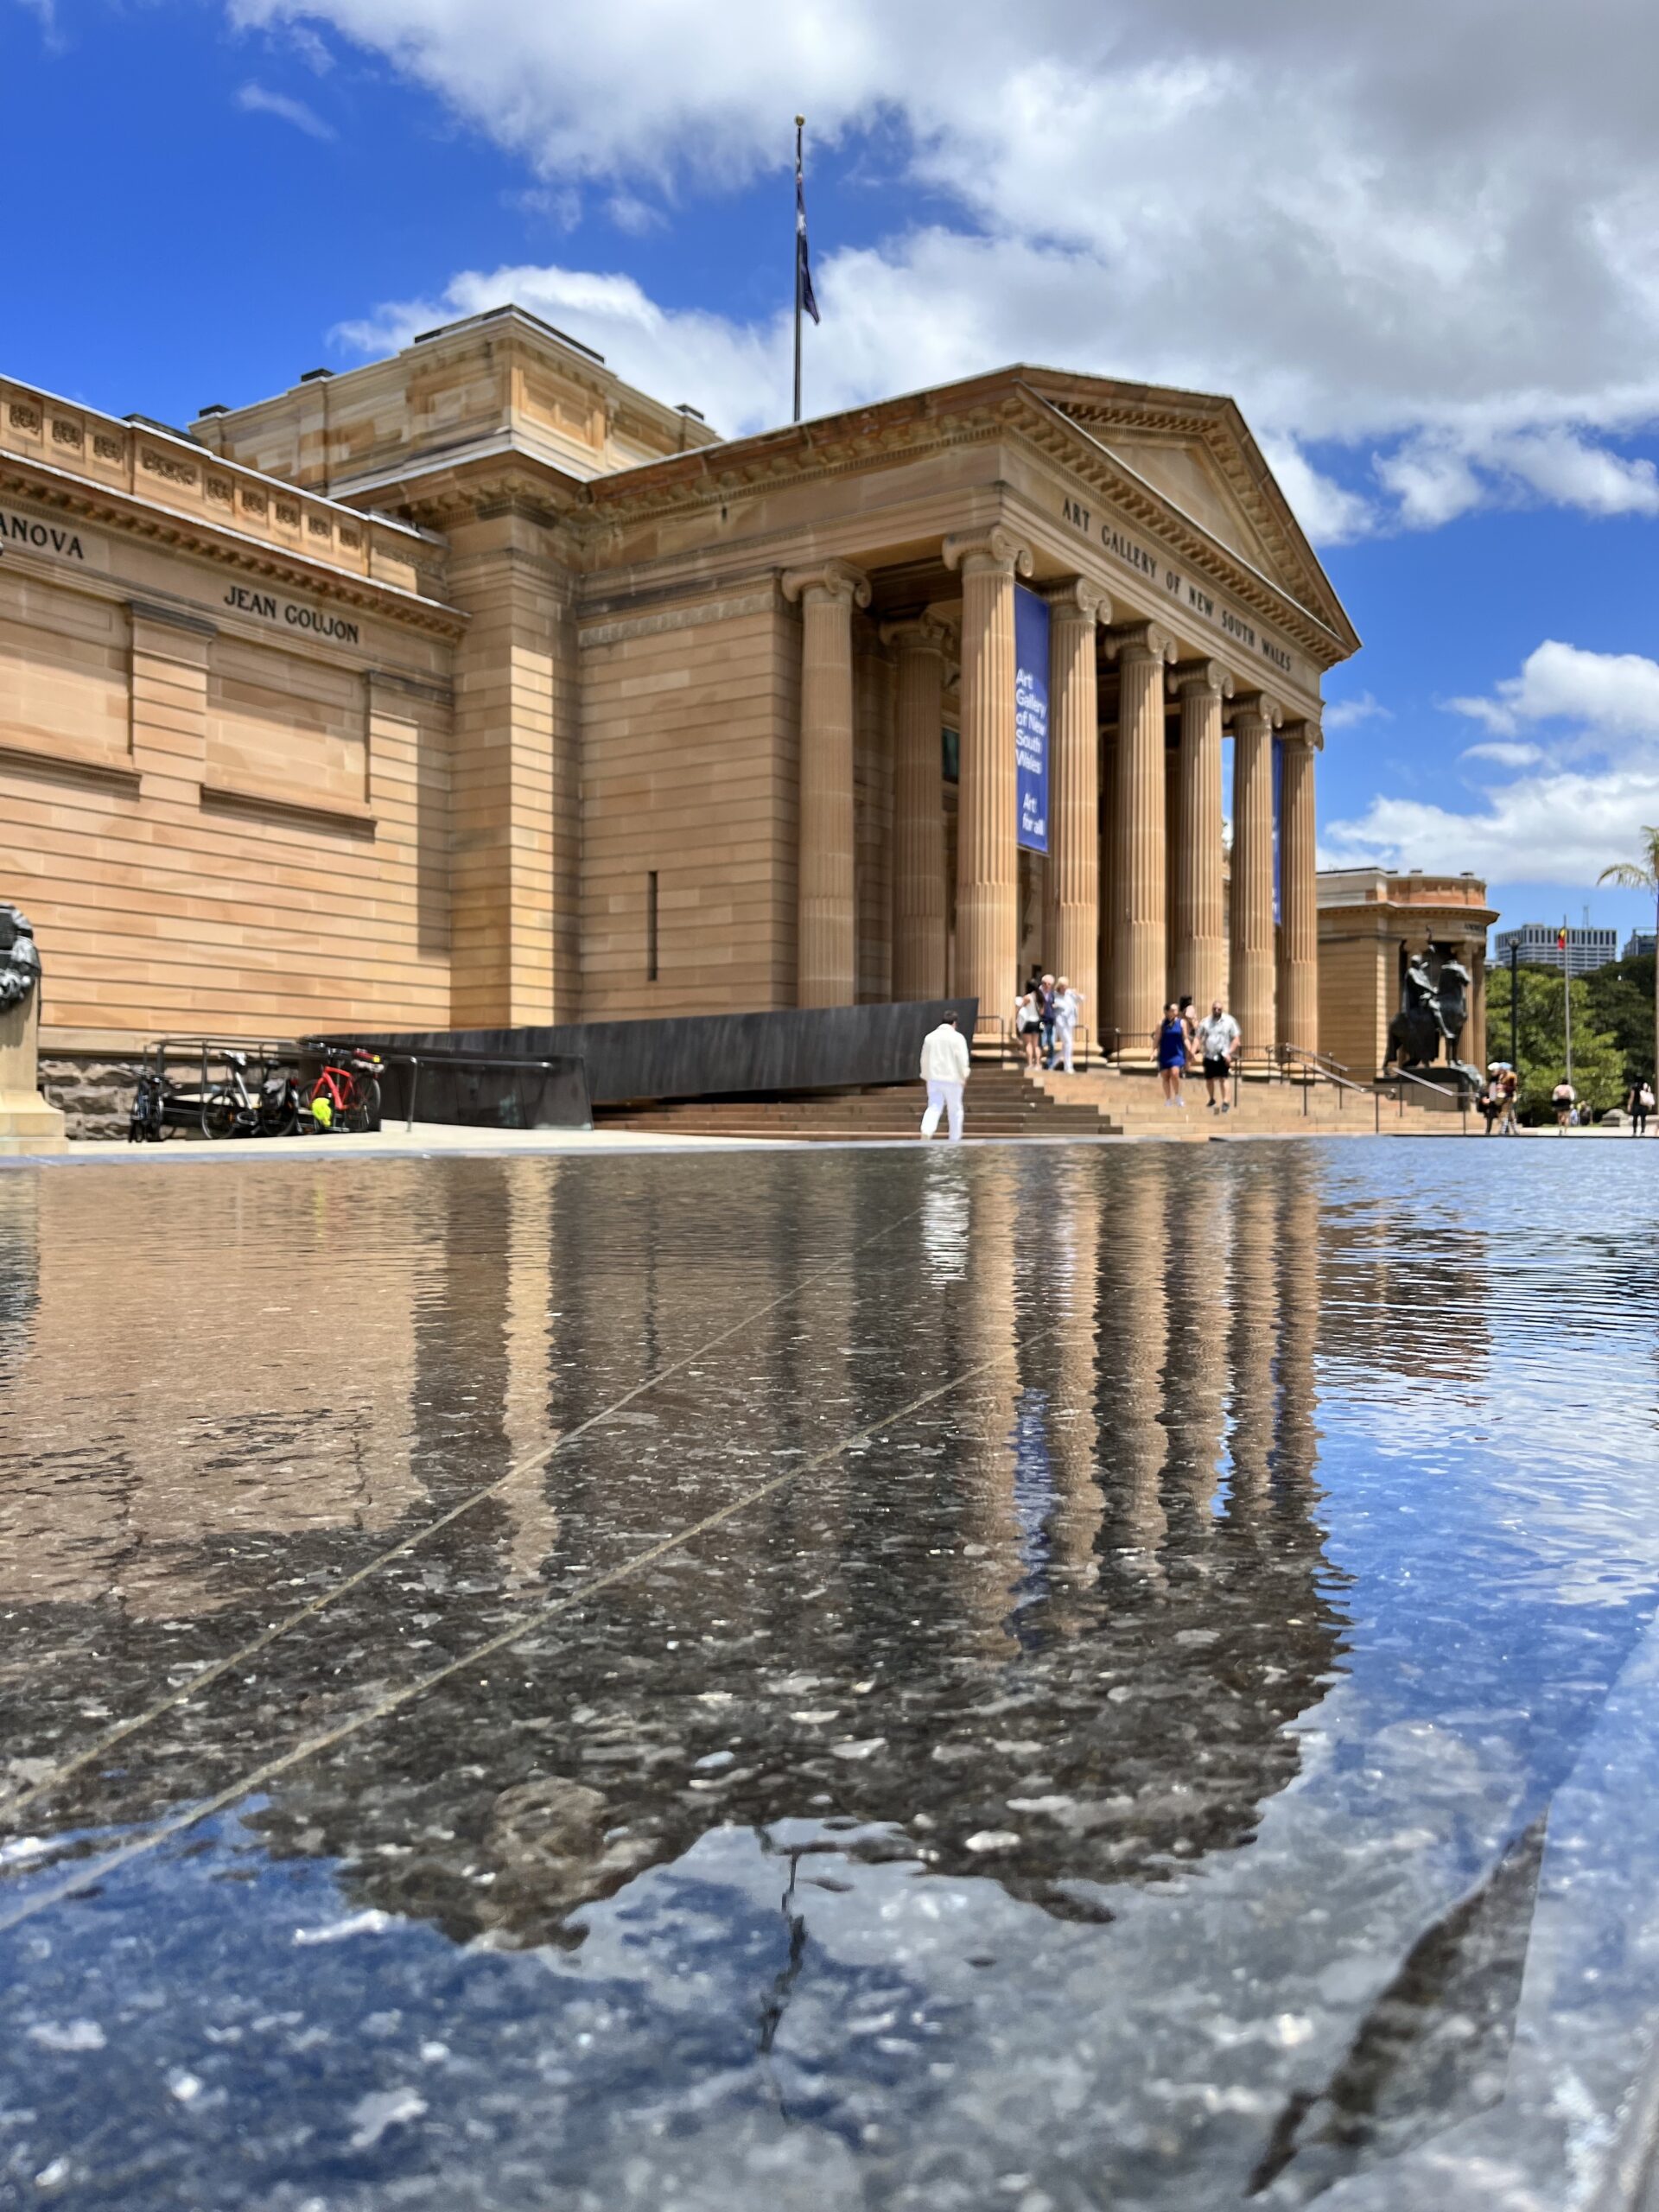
826 1678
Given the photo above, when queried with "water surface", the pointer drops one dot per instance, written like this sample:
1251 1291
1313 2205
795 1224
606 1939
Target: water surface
1032 1677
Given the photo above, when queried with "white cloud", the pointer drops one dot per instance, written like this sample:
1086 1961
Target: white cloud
1550 829
255 99
1348 713
1505 751
1415 230
1609 697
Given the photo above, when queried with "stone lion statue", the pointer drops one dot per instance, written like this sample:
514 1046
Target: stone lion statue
20 961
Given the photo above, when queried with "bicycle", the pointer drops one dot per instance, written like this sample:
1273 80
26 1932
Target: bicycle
346 1095
230 1109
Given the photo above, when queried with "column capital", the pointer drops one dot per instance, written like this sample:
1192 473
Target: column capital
1205 675
1258 707
829 580
1310 733
1140 641
919 633
974 552
1078 601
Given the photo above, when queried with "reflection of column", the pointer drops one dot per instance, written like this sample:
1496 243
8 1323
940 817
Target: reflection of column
527 1413
987 863
1138 933
1196 1416
828 959
1299 920
1253 948
1073 1253
1299 1259
1074 805
918 811
1253 1287
1198 957
987 1406
1134 1347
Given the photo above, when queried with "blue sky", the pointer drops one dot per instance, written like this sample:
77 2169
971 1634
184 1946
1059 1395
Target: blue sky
1417 251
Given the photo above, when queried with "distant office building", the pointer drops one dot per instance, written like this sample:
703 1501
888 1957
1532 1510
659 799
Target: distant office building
1639 943
1537 945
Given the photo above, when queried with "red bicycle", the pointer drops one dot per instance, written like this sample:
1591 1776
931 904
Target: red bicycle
346 1095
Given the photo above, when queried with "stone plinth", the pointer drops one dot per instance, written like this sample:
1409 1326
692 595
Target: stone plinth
27 1122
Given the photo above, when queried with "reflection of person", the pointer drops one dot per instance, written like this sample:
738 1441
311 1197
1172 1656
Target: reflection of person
1217 1038
1562 1098
945 1070
1067 1005
1170 1044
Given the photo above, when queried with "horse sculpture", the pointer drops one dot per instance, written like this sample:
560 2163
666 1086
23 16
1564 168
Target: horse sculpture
1436 1007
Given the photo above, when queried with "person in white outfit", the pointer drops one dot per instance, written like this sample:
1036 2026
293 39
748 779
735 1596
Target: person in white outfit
1068 1005
945 1070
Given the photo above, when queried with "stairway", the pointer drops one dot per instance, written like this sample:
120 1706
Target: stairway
1001 1103
1132 1099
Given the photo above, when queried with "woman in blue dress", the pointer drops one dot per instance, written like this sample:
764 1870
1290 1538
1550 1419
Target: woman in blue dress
1171 1043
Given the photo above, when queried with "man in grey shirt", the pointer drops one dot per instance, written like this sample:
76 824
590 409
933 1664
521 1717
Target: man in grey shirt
1218 1043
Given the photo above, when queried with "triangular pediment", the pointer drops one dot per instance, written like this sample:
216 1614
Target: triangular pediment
1194 450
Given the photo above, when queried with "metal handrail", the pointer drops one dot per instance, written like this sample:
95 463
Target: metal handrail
414 1061
1403 1076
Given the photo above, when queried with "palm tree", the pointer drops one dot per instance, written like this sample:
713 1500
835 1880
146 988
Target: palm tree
1642 875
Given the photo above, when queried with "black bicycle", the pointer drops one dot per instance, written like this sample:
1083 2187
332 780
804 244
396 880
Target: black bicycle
231 1110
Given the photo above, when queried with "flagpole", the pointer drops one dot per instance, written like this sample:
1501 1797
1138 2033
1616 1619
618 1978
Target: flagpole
1566 999
800 125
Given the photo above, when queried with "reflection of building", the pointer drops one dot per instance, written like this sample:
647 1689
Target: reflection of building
475 687
1537 945
1372 921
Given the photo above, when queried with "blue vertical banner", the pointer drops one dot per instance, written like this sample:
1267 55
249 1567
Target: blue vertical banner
1031 718
1278 816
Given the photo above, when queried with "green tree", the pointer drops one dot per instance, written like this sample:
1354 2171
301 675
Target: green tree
1620 1002
1598 1064
1643 874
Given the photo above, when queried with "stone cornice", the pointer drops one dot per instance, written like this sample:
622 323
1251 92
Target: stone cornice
119 512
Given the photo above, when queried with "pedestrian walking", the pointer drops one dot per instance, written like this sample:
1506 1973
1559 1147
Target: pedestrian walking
1067 1005
1509 1084
1639 1105
945 1070
1028 1023
1217 1046
1490 1103
1045 1009
1564 1098
1190 1024
1170 1045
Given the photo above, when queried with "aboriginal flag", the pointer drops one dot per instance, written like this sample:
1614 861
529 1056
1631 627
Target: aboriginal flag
1560 939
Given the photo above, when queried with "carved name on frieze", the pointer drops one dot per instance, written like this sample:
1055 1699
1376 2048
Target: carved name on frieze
39 537
268 609
1178 587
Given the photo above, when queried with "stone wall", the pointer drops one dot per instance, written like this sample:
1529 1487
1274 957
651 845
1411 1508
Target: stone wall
92 1090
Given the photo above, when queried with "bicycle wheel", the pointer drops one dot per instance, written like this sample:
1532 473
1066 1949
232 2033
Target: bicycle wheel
279 1112
219 1112
364 1112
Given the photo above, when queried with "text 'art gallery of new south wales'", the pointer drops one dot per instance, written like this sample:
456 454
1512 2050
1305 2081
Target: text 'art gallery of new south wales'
473 689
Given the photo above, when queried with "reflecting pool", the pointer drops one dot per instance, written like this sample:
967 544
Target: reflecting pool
1013 1677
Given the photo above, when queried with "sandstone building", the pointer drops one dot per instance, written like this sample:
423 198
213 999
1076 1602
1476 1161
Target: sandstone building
474 688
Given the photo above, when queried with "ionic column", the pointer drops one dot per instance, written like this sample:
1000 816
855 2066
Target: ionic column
1252 963
1139 935
1074 801
988 942
1299 918
918 808
827 958
1198 957
1474 1035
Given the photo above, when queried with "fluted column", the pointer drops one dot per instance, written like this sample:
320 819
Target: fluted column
1253 977
1139 940
828 939
1299 918
988 880
918 808
1074 801
1198 957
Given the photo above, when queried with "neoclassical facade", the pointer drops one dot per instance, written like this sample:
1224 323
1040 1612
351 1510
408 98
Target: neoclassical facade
475 687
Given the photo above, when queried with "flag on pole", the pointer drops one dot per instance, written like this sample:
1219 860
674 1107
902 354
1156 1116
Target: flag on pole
1560 939
803 266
